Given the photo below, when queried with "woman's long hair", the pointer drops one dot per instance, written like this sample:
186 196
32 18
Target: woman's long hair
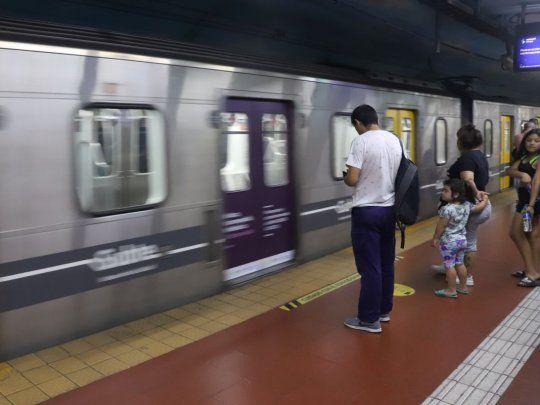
522 151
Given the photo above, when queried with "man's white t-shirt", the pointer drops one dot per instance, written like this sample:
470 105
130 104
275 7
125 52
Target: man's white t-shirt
377 154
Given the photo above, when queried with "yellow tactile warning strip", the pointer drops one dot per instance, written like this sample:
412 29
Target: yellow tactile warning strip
400 290
318 293
45 374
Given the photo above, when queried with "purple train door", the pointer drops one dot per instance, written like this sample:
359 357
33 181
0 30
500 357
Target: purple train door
256 180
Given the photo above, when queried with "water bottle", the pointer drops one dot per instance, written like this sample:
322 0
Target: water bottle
527 221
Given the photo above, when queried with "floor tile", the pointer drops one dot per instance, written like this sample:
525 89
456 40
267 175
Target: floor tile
15 382
68 365
84 376
52 354
94 356
57 386
28 397
26 363
134 357
110 366
41 374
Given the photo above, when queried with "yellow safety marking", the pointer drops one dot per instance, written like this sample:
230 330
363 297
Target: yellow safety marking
317 293
5 371
401 290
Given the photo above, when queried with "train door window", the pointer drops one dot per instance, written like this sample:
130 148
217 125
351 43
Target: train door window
406 135
106 131
488 138
343 134
139 153
235 173
388 124
441 131
275 156
403 125
120 158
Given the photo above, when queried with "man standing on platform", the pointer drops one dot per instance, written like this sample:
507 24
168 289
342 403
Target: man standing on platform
372 166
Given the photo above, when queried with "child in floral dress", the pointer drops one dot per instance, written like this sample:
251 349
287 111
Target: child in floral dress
450 236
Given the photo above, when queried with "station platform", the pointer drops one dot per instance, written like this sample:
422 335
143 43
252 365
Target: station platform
281 340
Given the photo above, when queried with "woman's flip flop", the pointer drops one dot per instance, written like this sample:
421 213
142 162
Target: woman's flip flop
444 294
464 292
528 282
518 274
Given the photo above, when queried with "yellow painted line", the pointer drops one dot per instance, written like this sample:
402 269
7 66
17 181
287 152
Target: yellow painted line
5 371
316 294
400 290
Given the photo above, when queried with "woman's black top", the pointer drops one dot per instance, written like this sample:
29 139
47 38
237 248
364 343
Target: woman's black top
472 161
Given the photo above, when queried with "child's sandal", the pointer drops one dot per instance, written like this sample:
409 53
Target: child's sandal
444 294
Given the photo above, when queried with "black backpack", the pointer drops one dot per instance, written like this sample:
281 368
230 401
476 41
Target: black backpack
407 190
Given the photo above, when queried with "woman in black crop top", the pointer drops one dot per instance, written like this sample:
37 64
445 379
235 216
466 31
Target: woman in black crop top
526 169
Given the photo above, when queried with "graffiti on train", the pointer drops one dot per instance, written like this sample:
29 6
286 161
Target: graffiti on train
107 259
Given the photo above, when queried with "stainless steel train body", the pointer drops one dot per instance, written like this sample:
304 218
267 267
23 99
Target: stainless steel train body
88 241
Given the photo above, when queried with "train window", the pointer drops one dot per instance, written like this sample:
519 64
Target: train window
235 172
343 134
120 158
140 154
488 138
106 128
441 131
406 135
275 156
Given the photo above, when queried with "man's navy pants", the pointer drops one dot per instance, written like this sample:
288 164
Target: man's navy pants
374 245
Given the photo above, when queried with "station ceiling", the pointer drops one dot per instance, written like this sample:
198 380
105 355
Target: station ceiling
456 43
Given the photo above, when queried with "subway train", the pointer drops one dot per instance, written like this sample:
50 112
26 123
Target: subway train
131 183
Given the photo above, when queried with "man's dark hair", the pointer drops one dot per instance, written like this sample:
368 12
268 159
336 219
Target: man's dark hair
469 137
366 114
534 121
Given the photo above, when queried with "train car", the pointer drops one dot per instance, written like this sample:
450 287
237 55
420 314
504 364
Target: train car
130 183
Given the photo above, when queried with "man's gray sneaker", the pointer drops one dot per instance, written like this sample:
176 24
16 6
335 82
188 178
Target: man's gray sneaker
355 323
384 318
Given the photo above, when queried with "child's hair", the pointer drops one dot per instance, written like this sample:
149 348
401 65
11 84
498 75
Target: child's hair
522 151
457 186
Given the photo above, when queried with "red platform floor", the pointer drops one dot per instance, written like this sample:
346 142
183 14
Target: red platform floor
308 356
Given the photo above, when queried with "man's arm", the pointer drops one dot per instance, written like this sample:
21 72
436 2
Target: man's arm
352 176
